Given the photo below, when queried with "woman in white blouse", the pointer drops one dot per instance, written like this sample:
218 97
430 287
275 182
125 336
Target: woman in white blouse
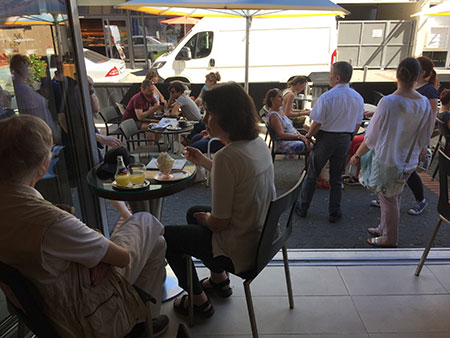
224 236
393 128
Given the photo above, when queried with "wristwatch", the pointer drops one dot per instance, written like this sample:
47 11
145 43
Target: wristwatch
308 137
357 157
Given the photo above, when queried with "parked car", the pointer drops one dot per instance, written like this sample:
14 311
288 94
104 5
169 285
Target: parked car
154 47
102 68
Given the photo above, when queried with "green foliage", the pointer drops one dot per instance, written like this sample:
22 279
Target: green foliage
37 68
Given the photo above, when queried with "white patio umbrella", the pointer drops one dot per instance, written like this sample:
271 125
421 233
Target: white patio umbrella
442 9
247 9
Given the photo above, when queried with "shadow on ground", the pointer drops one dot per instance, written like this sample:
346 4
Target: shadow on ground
315 231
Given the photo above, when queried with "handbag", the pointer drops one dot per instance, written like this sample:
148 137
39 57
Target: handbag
384 179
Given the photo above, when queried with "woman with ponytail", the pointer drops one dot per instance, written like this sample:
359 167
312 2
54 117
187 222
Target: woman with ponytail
426 85
427 82
295 85
402 121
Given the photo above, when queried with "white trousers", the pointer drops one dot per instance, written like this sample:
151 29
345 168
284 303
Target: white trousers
142 235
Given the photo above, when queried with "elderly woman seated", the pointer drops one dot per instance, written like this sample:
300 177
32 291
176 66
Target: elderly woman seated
224 236
84 280
282 126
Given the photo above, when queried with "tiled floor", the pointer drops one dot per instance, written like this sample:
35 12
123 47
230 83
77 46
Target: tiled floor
376 301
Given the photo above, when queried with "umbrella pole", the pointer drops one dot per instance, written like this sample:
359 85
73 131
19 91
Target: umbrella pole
248 23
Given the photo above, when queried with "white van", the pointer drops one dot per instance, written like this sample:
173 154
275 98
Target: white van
279 49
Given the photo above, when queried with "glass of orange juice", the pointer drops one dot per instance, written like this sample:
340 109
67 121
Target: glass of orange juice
137 174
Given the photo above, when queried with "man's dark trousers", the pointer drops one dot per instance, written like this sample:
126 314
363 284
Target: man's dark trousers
333 147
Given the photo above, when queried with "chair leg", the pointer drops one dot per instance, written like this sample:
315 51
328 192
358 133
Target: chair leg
20 329
436 148
148 322
435 171
251 310
288 277
190 290
427 249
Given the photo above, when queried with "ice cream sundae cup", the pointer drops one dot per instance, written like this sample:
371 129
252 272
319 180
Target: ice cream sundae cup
165 163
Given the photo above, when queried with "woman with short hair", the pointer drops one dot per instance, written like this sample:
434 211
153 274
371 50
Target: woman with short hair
282 125
224 236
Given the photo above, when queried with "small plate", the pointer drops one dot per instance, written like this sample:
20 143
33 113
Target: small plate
173 128
174 176
131 186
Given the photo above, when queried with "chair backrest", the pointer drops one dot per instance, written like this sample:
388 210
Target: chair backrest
272 133
21 296
120 108
7 113
129 128
443 130
110 114
274 236
444 172
263 112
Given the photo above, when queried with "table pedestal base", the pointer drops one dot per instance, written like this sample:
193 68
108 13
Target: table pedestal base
153 206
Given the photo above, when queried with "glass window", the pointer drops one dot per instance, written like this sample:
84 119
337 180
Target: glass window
200 44
204 45
138 41
34 85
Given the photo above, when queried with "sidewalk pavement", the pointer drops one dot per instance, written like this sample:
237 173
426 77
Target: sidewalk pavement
315 231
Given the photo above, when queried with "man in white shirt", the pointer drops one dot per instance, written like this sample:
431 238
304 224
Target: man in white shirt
337 115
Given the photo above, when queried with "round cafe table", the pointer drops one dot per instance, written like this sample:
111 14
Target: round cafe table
149 199
172 132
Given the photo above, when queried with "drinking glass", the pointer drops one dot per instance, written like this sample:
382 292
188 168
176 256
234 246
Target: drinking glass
137 172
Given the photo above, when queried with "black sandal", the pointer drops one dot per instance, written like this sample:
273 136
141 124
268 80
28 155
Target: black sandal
218 287
200 310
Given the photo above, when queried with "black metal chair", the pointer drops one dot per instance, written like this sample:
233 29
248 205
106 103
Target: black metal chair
274 139
7 113
120 107
132 133
23 301
443 133
110 115
274 236
443 204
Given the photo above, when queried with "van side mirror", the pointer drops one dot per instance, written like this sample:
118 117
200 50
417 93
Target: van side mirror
184 54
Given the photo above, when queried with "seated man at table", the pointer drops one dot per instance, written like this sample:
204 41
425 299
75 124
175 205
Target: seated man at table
84 280
180 101
142 105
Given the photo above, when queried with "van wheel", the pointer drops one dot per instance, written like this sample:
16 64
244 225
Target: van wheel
182 79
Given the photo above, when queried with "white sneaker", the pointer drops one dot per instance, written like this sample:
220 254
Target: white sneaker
418 208
375 203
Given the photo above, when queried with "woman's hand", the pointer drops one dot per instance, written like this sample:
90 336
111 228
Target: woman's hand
193 155
355 160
